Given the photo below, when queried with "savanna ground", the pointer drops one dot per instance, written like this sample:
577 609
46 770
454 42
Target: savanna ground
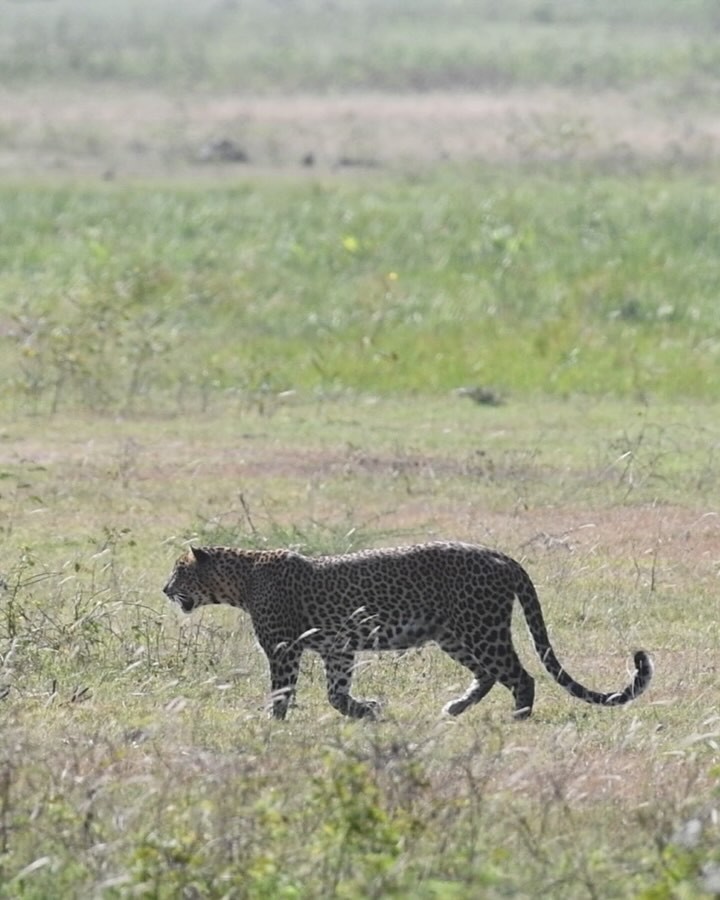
333 276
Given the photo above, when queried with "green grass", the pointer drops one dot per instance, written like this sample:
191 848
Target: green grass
536 283
136 756
363 45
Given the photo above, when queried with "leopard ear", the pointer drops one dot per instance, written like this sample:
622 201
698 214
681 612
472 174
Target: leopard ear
201 556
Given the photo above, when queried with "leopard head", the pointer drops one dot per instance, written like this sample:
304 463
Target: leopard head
191 583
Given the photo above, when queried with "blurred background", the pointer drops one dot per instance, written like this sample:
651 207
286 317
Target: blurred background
126 87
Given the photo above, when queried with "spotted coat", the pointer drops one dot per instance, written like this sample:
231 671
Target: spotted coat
459 596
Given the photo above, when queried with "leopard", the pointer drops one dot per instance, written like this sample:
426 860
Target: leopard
456 595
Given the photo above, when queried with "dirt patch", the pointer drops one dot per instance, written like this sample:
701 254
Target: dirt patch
420 491
683 534
145 132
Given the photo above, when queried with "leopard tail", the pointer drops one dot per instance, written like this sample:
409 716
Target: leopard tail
528 598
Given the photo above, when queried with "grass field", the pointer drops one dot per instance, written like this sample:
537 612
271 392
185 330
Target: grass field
125 297
485 309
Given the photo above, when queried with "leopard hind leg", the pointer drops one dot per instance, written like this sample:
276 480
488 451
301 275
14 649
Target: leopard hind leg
481 685
487 672
474 694
519 682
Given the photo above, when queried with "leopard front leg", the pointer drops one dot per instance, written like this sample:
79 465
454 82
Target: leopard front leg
284 661
339 672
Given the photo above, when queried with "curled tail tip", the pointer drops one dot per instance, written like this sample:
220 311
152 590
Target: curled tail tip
644 664
644 670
